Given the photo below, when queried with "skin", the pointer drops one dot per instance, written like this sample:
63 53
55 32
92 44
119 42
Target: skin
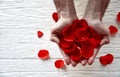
93 14
67 13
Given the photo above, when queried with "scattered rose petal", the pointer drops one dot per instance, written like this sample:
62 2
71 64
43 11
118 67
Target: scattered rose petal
107 59
55 16
103 60
113 29
118 17
59 63
43 54
39 34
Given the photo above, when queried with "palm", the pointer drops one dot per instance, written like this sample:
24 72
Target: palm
99 27
55 32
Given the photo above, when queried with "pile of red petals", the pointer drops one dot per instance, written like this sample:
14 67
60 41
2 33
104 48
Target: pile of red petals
107 59
79 40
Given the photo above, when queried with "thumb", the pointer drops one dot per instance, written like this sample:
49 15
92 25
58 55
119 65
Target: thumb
66 57
54 39
105 40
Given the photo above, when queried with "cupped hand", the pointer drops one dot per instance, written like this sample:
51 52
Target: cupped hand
56 32
99 27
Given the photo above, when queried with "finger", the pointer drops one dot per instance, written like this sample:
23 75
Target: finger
96 51
84 62
67 60
55 39
91 59
66 57
73 63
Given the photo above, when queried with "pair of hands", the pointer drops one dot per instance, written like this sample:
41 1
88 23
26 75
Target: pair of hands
97 25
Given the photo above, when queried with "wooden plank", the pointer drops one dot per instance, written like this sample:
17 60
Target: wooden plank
30 74
24 43
25 14
37 65
19 45
58 74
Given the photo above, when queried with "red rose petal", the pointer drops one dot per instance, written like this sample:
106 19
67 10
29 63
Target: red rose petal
78 44
55 16
68 33
39 34
107 59
84 23
95 42
59 64
89 43
87 52
113 29
77 24
103 60
87 48
43 54
76 56
81 34
68 51
66 44
118 17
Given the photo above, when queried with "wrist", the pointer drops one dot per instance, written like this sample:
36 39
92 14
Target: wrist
92 22
65 8
97 16
68 17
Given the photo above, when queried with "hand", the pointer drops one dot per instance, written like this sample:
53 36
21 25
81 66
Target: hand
94 13
99 27
56 31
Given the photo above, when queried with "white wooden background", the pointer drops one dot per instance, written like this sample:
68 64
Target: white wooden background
19 45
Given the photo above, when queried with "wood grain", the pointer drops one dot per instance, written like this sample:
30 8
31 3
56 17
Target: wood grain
19 44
